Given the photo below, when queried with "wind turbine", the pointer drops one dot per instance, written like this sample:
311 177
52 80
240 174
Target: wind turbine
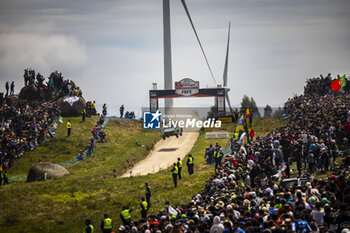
226 67
226 60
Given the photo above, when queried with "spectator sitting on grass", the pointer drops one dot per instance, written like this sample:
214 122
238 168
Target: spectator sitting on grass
80 155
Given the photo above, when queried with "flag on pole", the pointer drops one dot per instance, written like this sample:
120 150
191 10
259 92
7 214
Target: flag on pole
251 118
247 113
335 85
239 141
343 81
251 132
240 124
338 83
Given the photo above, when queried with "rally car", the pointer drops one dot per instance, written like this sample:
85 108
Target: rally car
171 131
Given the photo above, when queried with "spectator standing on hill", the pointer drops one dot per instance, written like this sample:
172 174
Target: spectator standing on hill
148 194
125 215
175 172
5 178
217 146
90 147
25 76
121 110
333 150
179 165
217 158
69 128
210 154
277 155
40 79
298 156
12 92
190 164
88 226
7 88
144 208
94 107
324 159
106 224
311 162
88 109
104 109
83 115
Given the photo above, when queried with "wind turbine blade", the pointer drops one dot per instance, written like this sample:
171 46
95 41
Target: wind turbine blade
199 42
227 51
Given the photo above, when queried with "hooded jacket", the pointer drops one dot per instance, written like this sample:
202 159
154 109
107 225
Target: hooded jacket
217 226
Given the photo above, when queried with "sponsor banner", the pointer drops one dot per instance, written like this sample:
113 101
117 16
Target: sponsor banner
70 100
154 104
187 83
227 119
221 103
187 92
216 135
187 87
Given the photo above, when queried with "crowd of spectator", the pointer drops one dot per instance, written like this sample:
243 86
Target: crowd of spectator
24 125
56 83
91 108
98 135
244 195
97 130
130 115
322 85
229 203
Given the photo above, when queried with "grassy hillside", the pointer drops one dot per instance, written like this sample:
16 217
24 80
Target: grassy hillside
63 204
59 148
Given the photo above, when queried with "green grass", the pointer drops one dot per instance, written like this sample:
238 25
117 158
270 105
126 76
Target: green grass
127 143
263 125
63 204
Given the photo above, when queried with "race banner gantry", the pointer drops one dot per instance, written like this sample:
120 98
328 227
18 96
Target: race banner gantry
188 88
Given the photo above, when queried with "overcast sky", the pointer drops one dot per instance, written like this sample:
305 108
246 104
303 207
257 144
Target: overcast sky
113 49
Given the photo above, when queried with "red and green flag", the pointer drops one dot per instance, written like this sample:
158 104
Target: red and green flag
343 81
338 83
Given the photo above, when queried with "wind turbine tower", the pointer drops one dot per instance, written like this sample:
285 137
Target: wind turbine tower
168 79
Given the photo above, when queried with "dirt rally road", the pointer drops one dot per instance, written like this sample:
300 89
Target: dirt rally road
164 154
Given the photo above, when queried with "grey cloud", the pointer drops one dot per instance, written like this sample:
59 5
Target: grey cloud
44 52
